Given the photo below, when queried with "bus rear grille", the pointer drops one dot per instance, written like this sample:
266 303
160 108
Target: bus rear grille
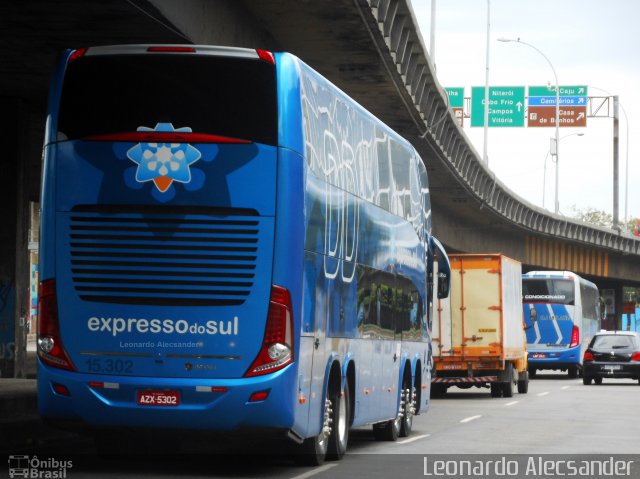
168 258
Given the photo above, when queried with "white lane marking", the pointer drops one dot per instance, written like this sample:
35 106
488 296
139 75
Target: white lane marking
512 403
315 471
471 418
565 387
411 439
543 394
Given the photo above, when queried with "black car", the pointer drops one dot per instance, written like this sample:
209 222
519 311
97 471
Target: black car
612 354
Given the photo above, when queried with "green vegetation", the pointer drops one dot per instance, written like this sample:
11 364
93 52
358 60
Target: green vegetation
602 218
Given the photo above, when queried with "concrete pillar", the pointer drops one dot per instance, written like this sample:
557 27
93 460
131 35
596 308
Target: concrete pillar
9 137
22 226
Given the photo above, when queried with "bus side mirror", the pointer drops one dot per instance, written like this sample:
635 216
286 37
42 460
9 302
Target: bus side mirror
444 269
444 281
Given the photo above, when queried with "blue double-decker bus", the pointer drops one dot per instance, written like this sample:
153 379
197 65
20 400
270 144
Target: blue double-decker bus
229 243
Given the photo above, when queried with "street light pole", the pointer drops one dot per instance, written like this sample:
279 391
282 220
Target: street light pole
557 138
616 173
626 173
485 154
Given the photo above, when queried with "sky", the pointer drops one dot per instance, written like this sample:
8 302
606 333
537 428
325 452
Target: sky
588 42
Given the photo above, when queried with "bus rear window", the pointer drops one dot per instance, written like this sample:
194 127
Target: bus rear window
545 290
222 96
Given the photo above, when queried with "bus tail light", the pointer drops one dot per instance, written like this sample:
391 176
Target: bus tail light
277 346
267 56
575 337
79 53
588 356
50 348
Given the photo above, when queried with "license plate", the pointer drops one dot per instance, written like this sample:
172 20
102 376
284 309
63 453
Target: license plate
158 398
612 367
453 366
538 355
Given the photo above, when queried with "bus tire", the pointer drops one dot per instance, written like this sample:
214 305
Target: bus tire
388 430
313 451
341 420
408 403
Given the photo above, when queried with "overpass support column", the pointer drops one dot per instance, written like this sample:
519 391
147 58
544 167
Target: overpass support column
612 294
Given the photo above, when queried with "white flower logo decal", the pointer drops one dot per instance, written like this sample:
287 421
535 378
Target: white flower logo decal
164 163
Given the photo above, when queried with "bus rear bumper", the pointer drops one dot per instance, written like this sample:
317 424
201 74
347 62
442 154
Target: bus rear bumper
77 400
555 359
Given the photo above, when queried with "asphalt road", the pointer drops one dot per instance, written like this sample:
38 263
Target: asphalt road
558 416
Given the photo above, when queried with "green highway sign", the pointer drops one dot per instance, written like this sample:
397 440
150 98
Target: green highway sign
456 103
572 103
550 90
506 106
456 97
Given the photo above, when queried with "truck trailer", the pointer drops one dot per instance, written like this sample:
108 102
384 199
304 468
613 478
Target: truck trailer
478 331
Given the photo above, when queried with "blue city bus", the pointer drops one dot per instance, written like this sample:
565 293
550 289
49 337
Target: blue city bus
229 243
561 314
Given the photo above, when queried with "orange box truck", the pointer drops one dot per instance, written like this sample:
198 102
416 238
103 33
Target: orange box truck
477 333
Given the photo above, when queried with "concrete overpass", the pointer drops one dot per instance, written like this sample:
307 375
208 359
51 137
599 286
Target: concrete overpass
370 48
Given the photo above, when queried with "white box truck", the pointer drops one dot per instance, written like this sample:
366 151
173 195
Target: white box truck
477 333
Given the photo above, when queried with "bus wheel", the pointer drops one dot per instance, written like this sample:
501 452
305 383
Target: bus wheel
388 430
313 451
340 416
408 408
